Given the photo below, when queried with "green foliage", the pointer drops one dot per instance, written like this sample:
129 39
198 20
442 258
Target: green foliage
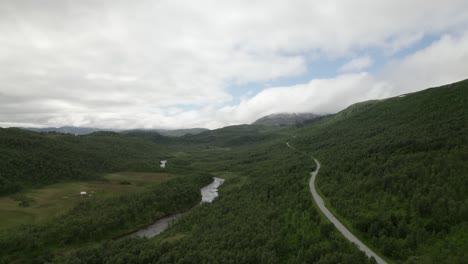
234 136
396 170
100 219
23 200
30 159
125 182
270 219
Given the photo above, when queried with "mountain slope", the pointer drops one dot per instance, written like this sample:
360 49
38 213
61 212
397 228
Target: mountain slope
396 171
32 159
285 119
233 136
393 170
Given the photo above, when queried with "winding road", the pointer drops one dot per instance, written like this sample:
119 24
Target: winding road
343 230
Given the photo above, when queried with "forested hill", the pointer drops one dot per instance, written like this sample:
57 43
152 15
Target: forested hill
32 159
67 130
90 130
232 136
285 119
396 170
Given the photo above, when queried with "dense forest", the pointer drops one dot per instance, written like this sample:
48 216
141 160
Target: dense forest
269 219
394 171
93 220
29 159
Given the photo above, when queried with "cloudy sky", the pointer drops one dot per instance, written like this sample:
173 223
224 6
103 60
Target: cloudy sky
173 64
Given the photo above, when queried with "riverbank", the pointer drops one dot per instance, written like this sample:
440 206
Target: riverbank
208 193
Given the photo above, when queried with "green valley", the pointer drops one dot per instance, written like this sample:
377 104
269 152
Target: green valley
394 172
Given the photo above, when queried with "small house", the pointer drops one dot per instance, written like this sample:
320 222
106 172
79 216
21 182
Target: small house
83 193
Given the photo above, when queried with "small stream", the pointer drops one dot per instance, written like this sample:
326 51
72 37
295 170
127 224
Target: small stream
209 193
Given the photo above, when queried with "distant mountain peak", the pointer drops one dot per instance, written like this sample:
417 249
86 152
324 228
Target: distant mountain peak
285 119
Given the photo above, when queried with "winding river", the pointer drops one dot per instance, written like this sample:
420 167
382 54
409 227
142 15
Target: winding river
209 193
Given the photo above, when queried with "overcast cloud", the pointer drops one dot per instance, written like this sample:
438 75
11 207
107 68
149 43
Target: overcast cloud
172 64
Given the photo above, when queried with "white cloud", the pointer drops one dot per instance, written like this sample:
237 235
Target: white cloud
124 64
435 65
357 64
444 61
319 96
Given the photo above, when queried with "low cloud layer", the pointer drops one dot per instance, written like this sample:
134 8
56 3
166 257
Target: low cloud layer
171 64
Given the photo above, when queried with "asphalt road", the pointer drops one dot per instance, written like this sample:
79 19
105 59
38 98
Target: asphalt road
343 230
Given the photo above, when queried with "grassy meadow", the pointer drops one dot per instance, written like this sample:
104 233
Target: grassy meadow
39 204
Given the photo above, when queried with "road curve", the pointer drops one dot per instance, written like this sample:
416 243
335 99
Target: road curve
343 230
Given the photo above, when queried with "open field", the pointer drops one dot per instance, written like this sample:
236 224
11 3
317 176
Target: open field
51 200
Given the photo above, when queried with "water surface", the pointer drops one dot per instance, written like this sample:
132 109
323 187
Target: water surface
209 193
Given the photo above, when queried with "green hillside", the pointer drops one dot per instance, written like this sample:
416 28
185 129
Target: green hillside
285 119
264 215
234 136
29 159
396 170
